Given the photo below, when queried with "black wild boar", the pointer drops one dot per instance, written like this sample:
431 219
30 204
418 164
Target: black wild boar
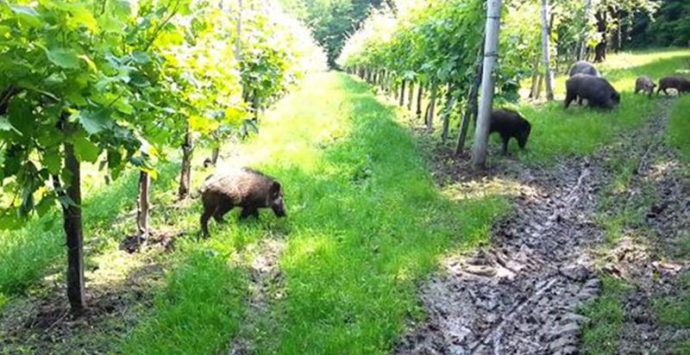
644 84
674 82
597 91
509 124
244 188
583 67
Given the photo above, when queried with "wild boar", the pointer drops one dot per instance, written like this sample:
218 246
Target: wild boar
679 83
509 124
597 91
583 67
644 84
243 187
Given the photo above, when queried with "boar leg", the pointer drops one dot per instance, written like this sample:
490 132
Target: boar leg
248 211
569 97
221 211
204 222
505 139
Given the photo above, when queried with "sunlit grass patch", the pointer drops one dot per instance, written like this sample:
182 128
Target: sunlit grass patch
578 131
473 190
678 132
198 311
27 253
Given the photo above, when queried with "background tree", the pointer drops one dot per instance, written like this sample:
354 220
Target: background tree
546 48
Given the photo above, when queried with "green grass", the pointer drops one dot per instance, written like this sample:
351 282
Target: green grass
201 306
606 314
579 131
674 311
25 254
365 224
678 132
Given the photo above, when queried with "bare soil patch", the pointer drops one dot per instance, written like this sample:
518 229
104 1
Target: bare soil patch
42 323
265 286
653 253
521 294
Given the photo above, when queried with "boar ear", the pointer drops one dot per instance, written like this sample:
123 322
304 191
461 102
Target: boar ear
275 189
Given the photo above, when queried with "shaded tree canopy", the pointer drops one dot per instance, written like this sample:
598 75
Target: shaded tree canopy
332 20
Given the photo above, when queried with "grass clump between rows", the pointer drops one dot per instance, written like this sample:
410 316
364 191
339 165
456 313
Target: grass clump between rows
678 132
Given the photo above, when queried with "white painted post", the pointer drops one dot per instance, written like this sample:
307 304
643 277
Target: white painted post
481 133
548 75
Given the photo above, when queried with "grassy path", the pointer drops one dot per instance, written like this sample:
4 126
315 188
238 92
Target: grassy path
365 222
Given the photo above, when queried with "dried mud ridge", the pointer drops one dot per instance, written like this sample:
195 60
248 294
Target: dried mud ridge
521 295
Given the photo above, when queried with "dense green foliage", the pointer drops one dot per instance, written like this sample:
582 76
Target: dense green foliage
127 73
669 26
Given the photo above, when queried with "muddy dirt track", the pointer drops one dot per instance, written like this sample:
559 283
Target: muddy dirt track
521 295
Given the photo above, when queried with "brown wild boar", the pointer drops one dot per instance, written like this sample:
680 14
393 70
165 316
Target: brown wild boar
245 188
597 91
644 84
509 124
583 67
679 83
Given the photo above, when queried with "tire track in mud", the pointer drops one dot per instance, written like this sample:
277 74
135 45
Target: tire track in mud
520 295
647 257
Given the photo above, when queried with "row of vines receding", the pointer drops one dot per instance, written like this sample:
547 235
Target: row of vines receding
120 82
428 53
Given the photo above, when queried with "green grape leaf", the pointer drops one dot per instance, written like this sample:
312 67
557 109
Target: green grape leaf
52 161
5 125
85 149
64 58
27 14
93 122
140 57
45 205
